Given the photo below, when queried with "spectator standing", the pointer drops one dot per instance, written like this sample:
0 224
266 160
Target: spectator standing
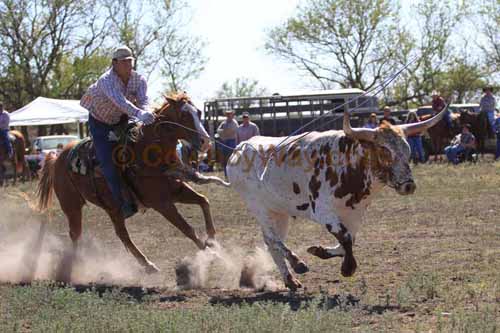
4 131
487 105
247 129
387 116
372 121
497 128
227 132
460 143
415 141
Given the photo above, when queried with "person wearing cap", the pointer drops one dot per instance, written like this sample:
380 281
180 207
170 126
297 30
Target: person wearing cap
4 131
247 129
119 91
460 143
487 105
387 116
438 104
227 132
372 121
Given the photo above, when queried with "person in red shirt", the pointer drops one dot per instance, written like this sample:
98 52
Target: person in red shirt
438 104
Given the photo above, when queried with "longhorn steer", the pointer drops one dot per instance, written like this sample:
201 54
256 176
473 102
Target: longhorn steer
328 177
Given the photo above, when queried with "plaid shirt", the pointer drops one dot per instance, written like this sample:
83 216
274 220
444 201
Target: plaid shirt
108 99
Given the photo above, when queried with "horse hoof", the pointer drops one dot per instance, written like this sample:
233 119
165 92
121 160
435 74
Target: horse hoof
211 243
151 269
292 283
300 268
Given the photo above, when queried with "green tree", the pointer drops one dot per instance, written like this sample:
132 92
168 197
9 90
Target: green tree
359 44
154 30
490 23
37 39
463 79
241 87
347 43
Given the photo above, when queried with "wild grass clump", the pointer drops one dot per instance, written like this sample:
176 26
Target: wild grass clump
50 308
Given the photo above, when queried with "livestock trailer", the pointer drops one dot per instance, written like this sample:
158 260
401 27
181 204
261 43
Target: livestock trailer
279 115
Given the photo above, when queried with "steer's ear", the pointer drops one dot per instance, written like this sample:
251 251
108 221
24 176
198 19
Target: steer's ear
416 128
366 134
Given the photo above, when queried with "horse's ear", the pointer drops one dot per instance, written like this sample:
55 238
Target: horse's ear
170 99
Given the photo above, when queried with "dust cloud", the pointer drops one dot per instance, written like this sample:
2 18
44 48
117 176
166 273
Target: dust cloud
226 268
33 247
29 251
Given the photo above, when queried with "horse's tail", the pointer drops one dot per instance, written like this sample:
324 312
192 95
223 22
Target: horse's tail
19 146
45 188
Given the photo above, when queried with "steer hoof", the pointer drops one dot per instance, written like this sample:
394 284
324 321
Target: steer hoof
320 252
151 269
292 283
300 267
348 266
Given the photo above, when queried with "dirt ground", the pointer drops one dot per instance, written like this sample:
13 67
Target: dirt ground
420 257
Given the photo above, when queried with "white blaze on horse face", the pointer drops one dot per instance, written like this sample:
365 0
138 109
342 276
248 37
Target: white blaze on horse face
197 123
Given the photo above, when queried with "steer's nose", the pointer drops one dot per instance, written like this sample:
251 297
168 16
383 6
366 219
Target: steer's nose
409 188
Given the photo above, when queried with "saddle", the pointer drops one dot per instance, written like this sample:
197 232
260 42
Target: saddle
82 159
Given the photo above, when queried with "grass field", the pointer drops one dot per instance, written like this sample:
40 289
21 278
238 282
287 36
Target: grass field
426 262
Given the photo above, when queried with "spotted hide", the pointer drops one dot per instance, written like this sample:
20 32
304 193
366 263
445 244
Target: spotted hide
327 177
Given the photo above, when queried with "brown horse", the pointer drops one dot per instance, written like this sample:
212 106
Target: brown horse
480 127
441 135
155 187
19 165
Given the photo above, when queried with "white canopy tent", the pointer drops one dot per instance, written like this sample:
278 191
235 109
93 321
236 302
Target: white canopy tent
49 111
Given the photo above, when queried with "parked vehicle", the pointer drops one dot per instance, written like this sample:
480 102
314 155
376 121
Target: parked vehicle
455 108
46 144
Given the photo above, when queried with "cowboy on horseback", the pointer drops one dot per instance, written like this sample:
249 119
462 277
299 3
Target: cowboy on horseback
119 91
438 104
4 131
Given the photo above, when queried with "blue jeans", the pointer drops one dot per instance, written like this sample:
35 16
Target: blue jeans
104 154
491 119
226 151
452 152
417 149
447 118
497 152
4 137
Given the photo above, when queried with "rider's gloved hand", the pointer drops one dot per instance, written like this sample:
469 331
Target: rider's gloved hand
146 117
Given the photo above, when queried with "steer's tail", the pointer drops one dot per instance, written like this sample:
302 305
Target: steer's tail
45 188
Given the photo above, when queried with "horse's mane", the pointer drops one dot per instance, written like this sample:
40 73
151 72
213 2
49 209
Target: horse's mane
172 96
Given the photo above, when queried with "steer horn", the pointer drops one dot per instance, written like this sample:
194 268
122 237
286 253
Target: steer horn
366 134
416 128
